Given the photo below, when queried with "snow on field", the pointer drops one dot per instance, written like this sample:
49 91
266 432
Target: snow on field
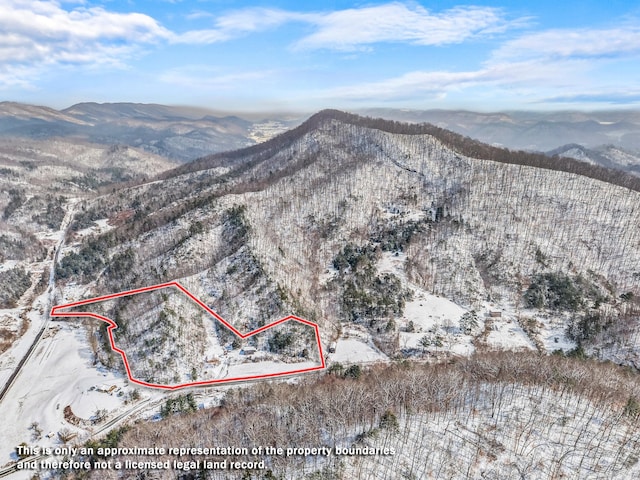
393 263
353 350
60 373
430 311
505 334
435 317
425 310
553 334
438 319
431 323
8 265
9 359
101 226
406 214
265 367
261 132
72 292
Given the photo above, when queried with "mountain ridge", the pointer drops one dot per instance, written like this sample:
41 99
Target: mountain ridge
187 133
531 130
463 145
277 219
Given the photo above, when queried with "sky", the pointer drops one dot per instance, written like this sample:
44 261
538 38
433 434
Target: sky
303 56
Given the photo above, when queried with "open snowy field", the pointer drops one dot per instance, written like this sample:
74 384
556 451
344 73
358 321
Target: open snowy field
60 373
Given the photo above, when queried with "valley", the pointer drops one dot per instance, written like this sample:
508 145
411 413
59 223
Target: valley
405 244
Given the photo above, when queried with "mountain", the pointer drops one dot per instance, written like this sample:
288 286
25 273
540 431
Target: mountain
40 182
104 112
35 121
20 111
185 133
538 131
178 133
463 294
357 223
609 156
40 176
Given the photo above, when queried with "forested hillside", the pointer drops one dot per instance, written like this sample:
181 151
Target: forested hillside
490 416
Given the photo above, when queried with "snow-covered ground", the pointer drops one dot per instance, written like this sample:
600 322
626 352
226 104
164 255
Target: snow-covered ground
265 367
431 323
60 373
427 315
355 350
10 358
101 226
8 265
261 132
505 334
552 332
430 314
512 431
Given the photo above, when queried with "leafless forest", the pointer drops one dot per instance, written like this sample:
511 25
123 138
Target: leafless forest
480 279
500 415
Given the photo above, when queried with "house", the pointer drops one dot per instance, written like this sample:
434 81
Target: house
107 389
495 313
248 350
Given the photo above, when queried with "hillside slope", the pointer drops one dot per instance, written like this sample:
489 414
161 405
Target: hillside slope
493 416
356 223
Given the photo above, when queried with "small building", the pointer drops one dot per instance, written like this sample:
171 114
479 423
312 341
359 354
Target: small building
248 350
107 388
495 313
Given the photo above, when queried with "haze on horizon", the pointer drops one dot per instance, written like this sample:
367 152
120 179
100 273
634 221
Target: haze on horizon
298 56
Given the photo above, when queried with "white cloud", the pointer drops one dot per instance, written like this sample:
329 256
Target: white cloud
16 76
41 33
570 43
398 22
198 14
355 28
241 22
558 63
523 75
601 96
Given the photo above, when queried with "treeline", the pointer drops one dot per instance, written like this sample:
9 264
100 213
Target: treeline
333 408
463 145
13 283
256 167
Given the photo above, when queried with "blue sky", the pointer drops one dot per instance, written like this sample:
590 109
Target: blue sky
304 56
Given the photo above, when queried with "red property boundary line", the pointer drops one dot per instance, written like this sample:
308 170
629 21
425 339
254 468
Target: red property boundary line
55 312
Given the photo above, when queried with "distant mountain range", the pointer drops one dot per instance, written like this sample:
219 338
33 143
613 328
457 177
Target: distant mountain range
608 156
185 133
178 133
539 131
